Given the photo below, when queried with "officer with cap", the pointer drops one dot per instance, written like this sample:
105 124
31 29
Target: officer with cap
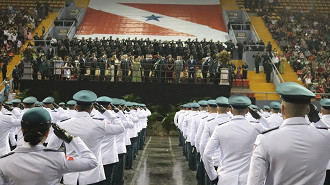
71 111
266 111
57 113
187 122
211 124
132 132
121 142
221 118
194 126
7 123
146 113
235 141
109 146
203 113
212 106
325 110
296 152
91 132
28 103
275 119
34 164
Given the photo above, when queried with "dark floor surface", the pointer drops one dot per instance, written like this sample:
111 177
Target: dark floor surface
160 163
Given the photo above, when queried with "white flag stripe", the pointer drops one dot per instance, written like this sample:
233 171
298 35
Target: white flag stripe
200 31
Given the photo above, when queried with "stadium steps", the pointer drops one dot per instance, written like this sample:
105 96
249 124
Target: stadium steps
258 84
265 35
17 58
237 63
229 4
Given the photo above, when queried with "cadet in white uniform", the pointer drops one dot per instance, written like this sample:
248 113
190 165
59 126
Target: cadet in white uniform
212 105
33 164
7 124
91 132
266 110
210 125
29 102
296 152
71 111
203 113
235 141
325 103
109 148
187 123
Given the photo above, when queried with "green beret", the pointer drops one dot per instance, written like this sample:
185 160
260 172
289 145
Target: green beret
30 100
35 118
184 106
2 98
239 101
104 100
8 103
61 103
212 103
275 105
16 101
85 97
48 100
135 104
254 107
128 104
222 101
115 101
294 93
195 105
202 103
325 103
122 102
266 107
71 103
143 105
38 103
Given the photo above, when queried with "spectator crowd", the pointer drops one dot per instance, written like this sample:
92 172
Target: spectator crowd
304 40
134 60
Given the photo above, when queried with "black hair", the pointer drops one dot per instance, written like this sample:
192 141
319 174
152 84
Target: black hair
34 135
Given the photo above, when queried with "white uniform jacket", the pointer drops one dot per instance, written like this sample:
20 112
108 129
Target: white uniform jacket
209 127
40 165
200 129
195 124
235 141
6 124
295 153
92 133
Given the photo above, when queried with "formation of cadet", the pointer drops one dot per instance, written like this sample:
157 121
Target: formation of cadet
101 135
229 141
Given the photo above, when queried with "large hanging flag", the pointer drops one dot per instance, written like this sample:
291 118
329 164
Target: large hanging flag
154 19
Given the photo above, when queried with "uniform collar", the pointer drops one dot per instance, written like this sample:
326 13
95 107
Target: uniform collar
82 114
28 148
238 117
294 121
222 115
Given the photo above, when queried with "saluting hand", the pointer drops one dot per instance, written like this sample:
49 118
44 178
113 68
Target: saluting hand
254 113
7 107
62 134
313 114
99 107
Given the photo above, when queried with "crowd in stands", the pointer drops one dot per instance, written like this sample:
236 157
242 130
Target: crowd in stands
304 39
135 60
16 27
